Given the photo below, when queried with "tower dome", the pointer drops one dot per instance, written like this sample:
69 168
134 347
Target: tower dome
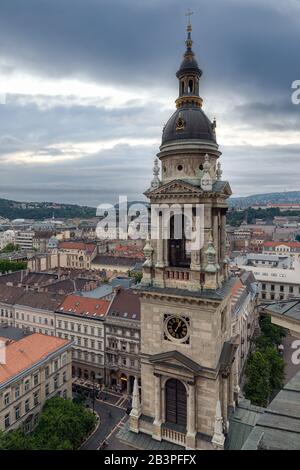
195 125
189 122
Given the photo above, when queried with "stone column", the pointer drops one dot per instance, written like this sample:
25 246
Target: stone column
225 401
231 387
191 418
236 389
160 243
216 234
157 400
166 252
223 237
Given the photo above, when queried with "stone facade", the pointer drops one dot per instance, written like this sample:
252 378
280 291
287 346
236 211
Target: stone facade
188 378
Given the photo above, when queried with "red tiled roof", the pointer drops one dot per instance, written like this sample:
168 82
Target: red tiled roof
22 354
88 247
84 306
127 250
289 244
236 286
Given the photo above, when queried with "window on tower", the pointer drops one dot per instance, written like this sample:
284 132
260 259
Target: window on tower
191 86
179 247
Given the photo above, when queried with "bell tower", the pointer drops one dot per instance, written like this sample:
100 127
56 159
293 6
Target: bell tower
187 354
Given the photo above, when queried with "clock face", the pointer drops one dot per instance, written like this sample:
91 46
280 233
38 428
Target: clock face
177 327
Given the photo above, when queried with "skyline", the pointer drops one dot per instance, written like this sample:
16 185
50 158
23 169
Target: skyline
84 101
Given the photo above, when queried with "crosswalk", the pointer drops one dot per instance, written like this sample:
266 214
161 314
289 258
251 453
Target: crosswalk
121 402
117 427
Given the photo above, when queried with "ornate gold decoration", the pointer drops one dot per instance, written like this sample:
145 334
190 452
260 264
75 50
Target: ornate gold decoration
180 123
194 99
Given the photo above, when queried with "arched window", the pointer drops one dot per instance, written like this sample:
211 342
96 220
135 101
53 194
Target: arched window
179 251
176 402
191 86
182 87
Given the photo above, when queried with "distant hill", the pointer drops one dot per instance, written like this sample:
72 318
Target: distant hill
273 198
43 210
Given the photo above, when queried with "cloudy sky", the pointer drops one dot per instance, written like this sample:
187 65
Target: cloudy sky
87 85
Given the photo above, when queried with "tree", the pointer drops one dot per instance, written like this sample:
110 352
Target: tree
15 440
274 333
264 382
277 369
258 387
10 248
63 425
6 266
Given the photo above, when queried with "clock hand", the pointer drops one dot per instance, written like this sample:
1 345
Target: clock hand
179 324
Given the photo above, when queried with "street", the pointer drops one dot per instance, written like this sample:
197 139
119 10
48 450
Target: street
111 408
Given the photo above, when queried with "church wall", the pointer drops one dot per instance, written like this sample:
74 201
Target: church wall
207 395
190 167
205 326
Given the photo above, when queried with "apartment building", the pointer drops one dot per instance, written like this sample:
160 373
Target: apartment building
76 254
282 248
115 265
25 240
244 316
122 341
41 240
36 367
34 311
279 281
7 237
8 297
81 320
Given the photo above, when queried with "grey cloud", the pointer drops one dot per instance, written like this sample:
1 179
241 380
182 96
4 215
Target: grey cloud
267 169
247 49
29 127
136 43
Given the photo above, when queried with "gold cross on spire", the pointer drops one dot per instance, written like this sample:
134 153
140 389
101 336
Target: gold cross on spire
188 14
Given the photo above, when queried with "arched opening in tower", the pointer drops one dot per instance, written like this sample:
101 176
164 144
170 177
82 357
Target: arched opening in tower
178 244
191 86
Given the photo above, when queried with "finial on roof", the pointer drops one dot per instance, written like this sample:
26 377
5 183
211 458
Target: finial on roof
218 439
156 181
188 14
219 171
189 29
